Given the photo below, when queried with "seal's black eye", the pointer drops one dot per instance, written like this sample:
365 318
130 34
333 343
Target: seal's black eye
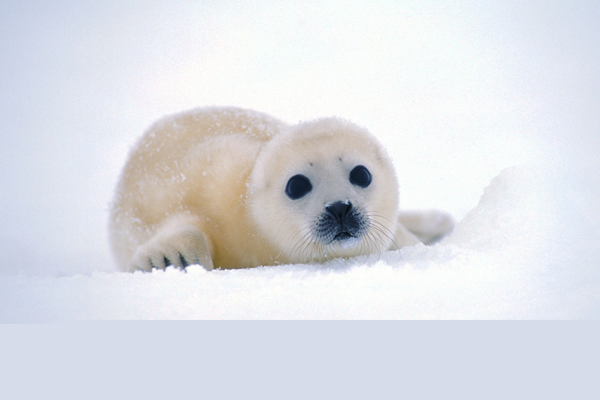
360 176
298 186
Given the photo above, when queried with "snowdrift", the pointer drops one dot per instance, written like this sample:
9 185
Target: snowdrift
527 251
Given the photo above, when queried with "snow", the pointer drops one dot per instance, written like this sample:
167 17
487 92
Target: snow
489 111
510 257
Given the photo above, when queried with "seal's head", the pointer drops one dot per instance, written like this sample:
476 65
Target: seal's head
324 189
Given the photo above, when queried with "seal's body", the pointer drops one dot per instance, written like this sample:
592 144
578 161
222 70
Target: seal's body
234 188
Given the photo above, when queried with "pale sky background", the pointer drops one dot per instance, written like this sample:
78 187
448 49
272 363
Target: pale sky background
457 91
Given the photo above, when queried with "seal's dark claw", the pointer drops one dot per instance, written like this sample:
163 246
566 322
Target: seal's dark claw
183 261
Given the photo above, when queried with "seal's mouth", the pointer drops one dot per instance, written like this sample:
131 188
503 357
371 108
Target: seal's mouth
343 236
348 242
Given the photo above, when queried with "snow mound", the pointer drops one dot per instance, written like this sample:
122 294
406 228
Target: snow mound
524 252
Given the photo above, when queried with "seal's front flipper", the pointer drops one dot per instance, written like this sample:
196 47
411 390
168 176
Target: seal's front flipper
175 244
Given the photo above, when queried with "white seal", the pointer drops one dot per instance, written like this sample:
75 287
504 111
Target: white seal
234 188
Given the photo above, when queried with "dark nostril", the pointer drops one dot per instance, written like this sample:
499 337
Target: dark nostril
339 210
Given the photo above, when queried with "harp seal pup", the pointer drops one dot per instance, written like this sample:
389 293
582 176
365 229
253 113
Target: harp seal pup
233 188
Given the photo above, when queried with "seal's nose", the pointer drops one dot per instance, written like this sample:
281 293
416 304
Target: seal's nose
339 210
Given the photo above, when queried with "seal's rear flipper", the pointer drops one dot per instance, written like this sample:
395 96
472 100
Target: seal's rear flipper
429 226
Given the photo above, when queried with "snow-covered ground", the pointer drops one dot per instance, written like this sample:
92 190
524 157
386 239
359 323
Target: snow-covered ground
490 111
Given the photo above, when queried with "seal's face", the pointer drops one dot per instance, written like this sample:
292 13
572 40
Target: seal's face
324 189
340 221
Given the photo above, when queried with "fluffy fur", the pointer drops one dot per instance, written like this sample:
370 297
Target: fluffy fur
208 187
